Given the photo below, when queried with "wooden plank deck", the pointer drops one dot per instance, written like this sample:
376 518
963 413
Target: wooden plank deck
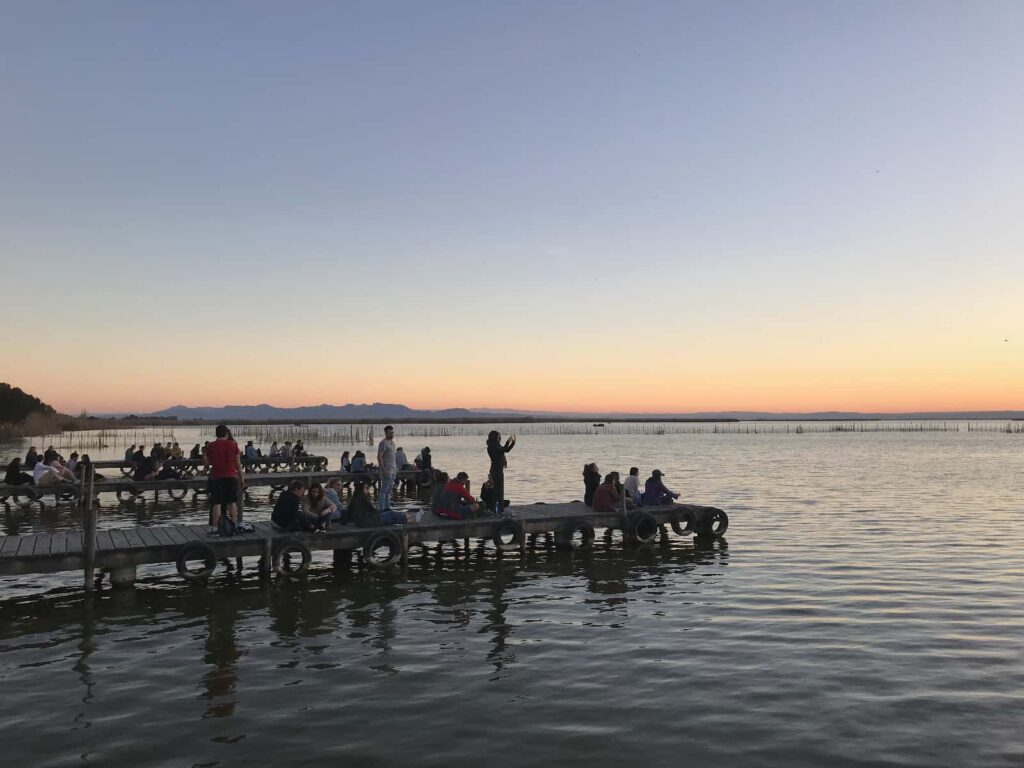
44 552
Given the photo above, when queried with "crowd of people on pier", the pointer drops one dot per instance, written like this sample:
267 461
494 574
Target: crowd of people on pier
312 506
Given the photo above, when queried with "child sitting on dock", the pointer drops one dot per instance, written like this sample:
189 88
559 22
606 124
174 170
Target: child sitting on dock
655 491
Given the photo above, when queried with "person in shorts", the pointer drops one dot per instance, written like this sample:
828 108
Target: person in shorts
224 461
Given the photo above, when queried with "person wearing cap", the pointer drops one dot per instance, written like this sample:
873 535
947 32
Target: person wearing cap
655 491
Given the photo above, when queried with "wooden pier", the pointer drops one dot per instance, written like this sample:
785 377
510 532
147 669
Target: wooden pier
121 550
127 489
190 467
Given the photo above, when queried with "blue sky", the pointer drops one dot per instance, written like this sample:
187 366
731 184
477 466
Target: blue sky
533 183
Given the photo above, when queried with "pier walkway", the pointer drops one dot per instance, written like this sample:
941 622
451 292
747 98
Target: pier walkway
121 550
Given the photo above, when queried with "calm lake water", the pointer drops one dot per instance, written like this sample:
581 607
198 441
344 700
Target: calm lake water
865 608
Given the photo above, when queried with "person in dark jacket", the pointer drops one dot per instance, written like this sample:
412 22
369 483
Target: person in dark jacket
146 469
15 476
364 514
591 479
655 491
31 458
496 452
288 513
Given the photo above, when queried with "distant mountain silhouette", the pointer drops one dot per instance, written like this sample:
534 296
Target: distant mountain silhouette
398 412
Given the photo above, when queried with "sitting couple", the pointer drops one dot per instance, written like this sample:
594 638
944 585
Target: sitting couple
453 500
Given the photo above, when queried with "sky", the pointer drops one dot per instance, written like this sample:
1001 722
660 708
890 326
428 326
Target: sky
678 206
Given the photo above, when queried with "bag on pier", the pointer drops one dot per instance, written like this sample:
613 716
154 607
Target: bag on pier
226 526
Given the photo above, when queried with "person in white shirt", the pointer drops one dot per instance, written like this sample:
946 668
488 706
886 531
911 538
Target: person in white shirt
50 471
632 485
387 467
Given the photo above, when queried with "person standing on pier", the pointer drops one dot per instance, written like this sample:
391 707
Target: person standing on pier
496 452
225 462
388 468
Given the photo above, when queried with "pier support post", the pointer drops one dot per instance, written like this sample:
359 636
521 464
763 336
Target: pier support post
89 533
342 558
404 536
122 576
267 560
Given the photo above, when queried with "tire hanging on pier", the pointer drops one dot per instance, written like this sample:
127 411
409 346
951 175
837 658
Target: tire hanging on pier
127 492
196 550
383 538
508 536
719 522
283 552
178 491
684 524
25 496
581 529
643 528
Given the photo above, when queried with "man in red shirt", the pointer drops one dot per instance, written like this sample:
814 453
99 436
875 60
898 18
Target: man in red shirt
224 461
455 501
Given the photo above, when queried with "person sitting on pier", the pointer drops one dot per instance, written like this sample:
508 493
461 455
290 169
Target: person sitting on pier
591 479
176 453
129 453
250 451
286 450
31 458
318 505
50 471
158 452
655 491
196 452
364 513
333 494
632 486
426 462
168 472
146 469
289 514
71 465
606 497
83 466
435 498
456 502
139 455
346 462
401 460
299 451
359 462
15 476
